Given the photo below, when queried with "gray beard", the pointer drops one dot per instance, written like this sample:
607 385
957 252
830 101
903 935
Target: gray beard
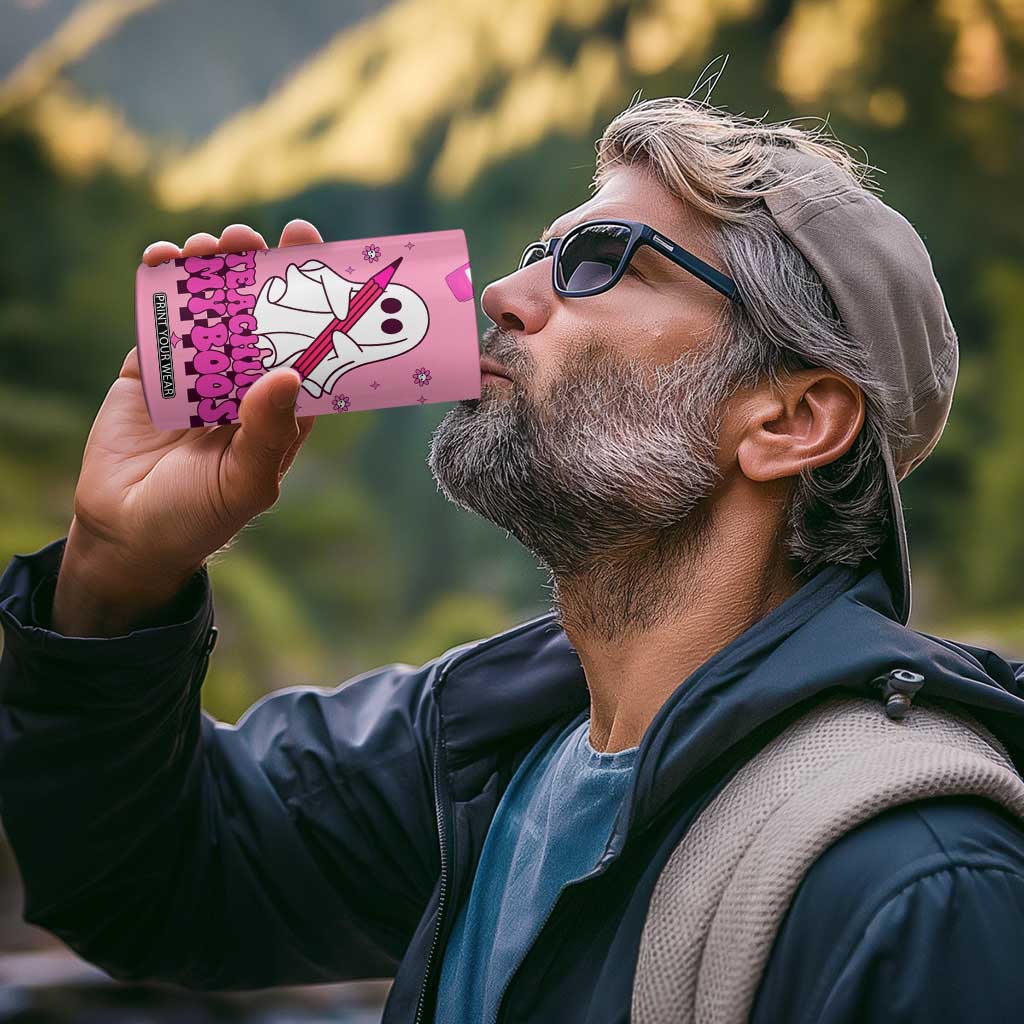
605 479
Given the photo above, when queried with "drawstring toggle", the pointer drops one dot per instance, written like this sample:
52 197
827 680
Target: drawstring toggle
898 686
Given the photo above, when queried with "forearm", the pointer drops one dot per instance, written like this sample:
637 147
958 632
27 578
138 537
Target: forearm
163 845
100 763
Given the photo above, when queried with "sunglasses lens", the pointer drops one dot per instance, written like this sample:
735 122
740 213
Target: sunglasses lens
591 255
532 254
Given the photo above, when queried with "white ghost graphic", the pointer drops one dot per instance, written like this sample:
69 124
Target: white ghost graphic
292 311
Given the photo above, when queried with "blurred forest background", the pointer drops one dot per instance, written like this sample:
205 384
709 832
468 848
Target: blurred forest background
126 122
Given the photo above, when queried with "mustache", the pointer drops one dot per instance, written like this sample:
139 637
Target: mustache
500 345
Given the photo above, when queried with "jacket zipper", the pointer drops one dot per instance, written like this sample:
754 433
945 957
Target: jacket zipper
438 804
593 873
211 641
444 868
599 869
504 988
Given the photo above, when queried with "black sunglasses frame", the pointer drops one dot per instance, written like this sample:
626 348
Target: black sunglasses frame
639 234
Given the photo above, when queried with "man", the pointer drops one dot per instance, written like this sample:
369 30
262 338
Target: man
700 436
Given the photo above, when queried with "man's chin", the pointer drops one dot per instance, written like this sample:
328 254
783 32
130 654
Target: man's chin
463 443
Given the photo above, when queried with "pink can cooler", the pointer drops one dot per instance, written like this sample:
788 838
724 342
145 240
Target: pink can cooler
367 324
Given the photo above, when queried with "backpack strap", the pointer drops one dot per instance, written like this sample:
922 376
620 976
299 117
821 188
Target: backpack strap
726 887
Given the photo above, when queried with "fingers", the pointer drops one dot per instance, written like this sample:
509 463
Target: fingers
300 232
130 366
234 238
240 238
158 252
266 435
202 243
305 426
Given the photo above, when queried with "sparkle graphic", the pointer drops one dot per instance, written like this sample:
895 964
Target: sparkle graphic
375 384
421 399
348 270
409 245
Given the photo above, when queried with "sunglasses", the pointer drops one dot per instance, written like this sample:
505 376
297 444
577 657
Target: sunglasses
594 255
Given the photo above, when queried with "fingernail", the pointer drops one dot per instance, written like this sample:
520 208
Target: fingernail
286 393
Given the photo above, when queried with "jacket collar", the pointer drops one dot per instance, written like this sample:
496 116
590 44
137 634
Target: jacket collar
840 630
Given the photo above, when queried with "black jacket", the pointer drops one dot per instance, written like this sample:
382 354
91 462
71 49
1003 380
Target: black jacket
332 833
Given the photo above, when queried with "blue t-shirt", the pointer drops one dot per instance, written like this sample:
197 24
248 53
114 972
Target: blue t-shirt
550 827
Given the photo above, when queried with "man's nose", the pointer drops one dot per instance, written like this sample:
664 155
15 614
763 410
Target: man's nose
520 301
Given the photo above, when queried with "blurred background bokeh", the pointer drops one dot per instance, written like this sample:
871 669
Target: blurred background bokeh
127 121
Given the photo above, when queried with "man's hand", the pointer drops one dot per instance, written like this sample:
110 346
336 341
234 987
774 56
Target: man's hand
151 505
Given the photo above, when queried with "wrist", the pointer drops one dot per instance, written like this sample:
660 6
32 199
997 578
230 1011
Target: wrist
100 591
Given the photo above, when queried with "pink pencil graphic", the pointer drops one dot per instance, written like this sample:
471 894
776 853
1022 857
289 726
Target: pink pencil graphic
322 346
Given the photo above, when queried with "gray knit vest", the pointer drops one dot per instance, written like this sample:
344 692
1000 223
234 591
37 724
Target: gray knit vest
725 889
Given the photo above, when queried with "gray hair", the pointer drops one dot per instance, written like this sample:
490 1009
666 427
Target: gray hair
720 164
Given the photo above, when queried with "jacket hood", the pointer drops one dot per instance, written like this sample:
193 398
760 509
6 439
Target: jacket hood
838 632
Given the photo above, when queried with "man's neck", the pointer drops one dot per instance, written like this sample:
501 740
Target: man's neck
671 618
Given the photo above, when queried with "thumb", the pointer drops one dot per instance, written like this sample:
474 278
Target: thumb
268 429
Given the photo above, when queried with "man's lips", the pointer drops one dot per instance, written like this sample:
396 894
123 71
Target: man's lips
488 365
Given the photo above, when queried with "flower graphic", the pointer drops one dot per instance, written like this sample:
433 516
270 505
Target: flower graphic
371 252
422 376
342 403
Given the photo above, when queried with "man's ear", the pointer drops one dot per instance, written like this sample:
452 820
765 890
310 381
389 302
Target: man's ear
810 421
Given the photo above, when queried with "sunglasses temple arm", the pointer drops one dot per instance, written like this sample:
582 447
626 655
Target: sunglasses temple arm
707 273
